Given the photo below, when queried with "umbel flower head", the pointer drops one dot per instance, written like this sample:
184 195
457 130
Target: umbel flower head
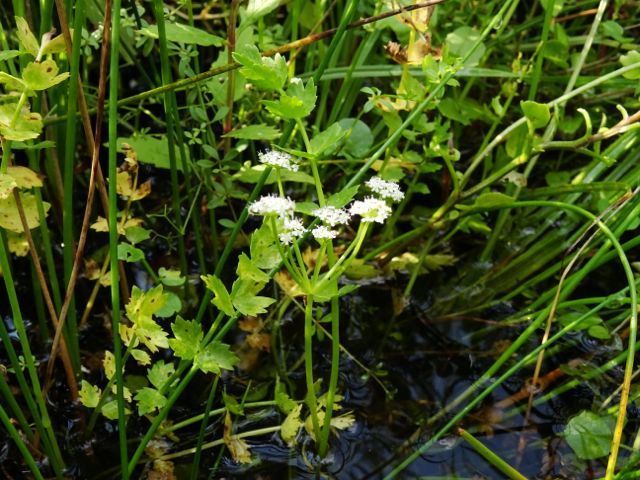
384 189
292 228
268 205
371 209
278 159
332 216
323 233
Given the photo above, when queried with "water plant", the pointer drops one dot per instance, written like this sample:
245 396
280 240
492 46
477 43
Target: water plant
339 239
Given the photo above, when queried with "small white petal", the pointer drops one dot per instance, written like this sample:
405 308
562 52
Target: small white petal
292 228
273 205
332 216
323 233
278 159
387 190
371 210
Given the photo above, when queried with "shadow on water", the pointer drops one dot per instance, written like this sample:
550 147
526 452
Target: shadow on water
422 362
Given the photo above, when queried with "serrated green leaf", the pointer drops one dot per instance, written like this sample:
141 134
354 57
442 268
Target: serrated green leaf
264 72
89 395
245 298
216 357
26 37
140 356
149 400
129 253
160 373
537 113
291 425
328 141
221 299
187 338
110 410
263 249
296 103
172 305
42 75
247 270
254 132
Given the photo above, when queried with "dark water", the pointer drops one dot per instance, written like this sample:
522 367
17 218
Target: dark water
423 361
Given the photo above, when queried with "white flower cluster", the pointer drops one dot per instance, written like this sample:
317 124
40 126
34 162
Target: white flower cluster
324 233
269 205
292 228
384 189
332 216
278 159
371 209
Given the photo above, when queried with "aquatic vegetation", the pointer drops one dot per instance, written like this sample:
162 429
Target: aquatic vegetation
346 239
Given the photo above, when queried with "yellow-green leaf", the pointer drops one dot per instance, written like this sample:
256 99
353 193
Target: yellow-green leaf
89 395
291 425
26 37
10 218
24 177
42 75
7 184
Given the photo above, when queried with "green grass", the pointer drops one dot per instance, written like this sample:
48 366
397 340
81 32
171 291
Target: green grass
510 127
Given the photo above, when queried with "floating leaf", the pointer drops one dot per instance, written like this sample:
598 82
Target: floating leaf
589 435
10 218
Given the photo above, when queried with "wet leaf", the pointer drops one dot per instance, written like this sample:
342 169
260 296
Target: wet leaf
291 426
237 447
589 435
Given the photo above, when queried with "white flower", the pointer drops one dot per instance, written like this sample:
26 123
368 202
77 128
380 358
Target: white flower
387 190
371 209
278 159
292 228
273 205
323 233
332 216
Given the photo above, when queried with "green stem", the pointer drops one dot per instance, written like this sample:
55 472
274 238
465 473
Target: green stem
490 456
312 401
114 78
